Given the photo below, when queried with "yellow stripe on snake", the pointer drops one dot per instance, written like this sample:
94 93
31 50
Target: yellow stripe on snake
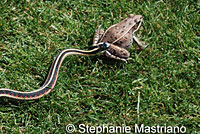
53 74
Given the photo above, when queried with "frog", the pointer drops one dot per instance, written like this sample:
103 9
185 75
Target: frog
120 36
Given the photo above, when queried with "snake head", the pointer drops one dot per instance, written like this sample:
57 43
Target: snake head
103 46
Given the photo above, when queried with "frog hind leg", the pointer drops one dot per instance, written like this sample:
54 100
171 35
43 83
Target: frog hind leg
97 36
141 46
109 55
117 53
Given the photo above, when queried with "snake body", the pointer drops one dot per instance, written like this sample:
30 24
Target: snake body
52 76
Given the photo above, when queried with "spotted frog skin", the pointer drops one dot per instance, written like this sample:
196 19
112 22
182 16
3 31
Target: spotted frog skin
120 36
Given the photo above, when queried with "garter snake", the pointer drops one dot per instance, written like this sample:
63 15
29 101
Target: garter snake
53 74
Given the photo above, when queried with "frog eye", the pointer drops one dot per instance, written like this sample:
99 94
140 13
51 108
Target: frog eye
130 15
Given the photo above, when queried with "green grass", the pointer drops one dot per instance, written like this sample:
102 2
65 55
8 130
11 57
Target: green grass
96 90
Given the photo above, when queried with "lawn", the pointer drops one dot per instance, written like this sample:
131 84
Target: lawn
159 86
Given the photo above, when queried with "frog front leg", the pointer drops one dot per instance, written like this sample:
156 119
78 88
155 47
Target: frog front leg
117 53
97 36
141 46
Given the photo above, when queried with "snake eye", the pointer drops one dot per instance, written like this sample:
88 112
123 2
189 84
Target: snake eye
106 44
103 46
